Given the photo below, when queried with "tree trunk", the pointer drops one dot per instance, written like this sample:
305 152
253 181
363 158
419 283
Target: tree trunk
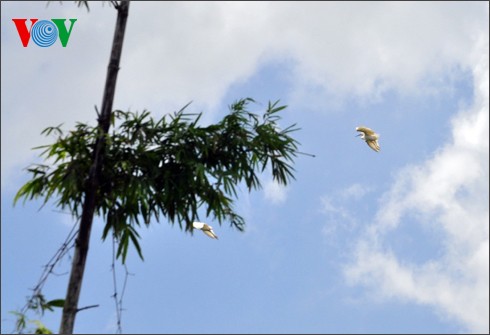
70 308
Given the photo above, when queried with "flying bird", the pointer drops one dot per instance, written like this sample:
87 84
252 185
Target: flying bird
370 137
206 229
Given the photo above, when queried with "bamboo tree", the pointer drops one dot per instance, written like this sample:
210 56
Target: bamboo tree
82 241
145 168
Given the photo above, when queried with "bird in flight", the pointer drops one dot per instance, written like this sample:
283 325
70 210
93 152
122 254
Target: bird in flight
206 229
369 136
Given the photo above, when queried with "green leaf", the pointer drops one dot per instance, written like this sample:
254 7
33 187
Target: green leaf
134 238
122 249
41 328
60 303
21 322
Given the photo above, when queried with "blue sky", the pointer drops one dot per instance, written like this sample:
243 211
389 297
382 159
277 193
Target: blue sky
360 242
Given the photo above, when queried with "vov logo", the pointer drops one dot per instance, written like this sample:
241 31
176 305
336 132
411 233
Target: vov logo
44 33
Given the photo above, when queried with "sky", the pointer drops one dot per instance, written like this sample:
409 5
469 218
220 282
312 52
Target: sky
359 242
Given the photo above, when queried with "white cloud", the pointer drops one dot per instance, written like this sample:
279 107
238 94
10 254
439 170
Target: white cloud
275 192
175 52
450 192
367 48
339 219
195 51
355 191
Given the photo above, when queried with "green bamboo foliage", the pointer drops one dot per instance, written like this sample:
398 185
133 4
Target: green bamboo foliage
166 168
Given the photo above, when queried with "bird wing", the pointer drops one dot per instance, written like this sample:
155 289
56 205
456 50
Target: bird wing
197 225
366 130
210 233
373 145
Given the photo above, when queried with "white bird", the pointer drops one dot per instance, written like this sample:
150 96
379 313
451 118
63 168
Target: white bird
369 136
206 229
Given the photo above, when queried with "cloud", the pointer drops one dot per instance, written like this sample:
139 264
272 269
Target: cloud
398 47
340 220
177 52
197 51
275 192
448 192
355 191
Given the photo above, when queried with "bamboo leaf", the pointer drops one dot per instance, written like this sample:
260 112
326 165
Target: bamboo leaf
57 303
168 168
